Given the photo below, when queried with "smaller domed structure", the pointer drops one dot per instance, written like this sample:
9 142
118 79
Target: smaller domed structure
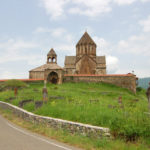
49 71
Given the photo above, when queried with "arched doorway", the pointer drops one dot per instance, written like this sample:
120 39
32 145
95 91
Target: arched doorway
53 78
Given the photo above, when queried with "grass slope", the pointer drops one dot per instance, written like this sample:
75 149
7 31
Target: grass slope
91 103
87 143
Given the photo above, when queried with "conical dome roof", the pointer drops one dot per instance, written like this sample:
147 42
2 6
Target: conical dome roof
51 53
86 39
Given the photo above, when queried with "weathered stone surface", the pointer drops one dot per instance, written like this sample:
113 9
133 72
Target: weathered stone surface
56 98
38 104
36 90
86 65
10 99
125 81
22 103
73 127
93 100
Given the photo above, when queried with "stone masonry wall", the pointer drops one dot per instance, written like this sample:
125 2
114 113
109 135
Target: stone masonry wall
36 75
72 127
125 81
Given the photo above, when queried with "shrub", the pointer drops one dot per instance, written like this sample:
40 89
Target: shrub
139 89
1 86
11 84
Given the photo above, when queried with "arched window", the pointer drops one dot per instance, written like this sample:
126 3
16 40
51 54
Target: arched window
49 59
53 59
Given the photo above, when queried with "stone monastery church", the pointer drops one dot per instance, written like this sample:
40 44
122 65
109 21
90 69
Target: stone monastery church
84 67
85 61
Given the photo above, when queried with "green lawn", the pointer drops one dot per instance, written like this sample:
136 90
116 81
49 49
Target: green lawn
91 103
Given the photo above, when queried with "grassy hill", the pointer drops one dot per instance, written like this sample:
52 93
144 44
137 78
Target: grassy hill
92 103
144 82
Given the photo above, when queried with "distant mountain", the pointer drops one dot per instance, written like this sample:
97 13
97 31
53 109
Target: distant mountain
143 82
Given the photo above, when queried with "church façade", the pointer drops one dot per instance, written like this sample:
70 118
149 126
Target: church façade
84 67
85 62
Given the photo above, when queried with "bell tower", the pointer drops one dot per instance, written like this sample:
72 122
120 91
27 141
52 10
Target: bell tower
51 57
86 46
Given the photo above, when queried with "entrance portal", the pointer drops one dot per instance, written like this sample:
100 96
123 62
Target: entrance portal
53 78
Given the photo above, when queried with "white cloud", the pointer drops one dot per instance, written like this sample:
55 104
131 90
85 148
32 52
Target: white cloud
42 30
137 49
90 8
145 0
140 73
112 64
12 44
70 49
145 24
135 45
15 50
55 33
103 46
12 75
58 32
128 2
18 53
54 8
124 2
69 38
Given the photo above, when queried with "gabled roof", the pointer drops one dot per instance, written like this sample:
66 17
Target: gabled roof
47 66
100 60
51 52
86 39
70 60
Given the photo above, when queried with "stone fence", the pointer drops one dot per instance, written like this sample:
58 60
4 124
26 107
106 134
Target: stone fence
72 127
123 80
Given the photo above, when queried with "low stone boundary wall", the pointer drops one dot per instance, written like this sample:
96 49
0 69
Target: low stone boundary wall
125 80
73 127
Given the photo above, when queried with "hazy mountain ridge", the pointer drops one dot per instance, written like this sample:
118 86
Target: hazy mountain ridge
144 82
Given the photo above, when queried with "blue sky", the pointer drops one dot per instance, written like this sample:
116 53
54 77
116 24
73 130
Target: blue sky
30 28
